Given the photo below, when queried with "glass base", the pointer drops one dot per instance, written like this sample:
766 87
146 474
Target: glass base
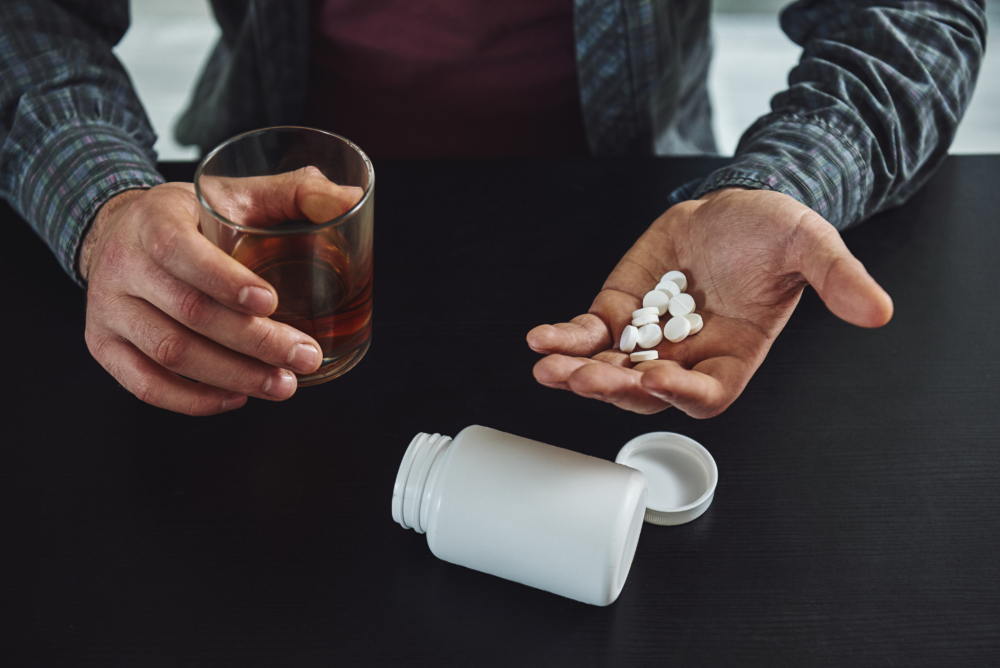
335 367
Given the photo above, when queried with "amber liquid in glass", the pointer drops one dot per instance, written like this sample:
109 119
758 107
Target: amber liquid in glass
317 291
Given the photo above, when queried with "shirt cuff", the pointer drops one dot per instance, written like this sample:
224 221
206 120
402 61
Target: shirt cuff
70 173
805 158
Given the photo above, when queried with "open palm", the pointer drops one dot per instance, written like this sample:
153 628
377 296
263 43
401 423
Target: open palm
747 255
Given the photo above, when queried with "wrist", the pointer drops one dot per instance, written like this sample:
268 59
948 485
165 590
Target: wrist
721 192
102 223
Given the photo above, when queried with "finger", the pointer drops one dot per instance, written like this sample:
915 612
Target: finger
840 279
584 336
172 241
154 385
704 391
261 338
613 357
615 385
554 370
259 201
615 308
606 380
178 349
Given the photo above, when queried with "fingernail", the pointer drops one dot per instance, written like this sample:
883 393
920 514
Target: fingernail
303 357
234 400
256 299
280 384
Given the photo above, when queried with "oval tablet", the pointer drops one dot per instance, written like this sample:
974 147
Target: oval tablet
646 311
696 322
629 338
644 356
682 304
677 329
677 277
645 320
656 299
649 336
669 288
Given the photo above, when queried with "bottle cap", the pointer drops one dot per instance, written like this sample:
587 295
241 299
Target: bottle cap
680 475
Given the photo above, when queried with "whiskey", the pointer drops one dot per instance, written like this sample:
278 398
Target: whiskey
320 291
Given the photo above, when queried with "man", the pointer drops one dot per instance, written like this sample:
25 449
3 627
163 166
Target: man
868 116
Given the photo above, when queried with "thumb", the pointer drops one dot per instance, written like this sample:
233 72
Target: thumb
839 278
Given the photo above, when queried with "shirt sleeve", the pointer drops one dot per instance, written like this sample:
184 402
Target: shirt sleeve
871 108
72 130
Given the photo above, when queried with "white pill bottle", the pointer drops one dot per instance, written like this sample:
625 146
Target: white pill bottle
533 513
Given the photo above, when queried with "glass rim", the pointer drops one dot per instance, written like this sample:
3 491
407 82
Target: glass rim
298 229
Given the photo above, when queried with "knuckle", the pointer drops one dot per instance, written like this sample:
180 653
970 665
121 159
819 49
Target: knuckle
162 241
114 259
246 379
97 344
146 389
195 307
94 343
310 172
97 296
219 279
201 405
264 342
172 350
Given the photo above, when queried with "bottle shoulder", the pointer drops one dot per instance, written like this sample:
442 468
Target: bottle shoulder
469 432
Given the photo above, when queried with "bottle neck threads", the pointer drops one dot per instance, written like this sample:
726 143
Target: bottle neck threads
411 493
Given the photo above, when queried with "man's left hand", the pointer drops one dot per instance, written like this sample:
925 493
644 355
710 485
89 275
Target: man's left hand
747 255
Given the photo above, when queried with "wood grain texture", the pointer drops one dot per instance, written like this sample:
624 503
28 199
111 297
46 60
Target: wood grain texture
856 521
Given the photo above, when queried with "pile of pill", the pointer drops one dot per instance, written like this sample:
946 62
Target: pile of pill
668 295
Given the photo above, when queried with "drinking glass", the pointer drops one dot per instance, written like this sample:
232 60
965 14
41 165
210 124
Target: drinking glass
322 271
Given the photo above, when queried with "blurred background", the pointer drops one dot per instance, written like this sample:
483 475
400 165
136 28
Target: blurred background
170 39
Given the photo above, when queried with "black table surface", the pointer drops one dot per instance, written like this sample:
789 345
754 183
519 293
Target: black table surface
856 520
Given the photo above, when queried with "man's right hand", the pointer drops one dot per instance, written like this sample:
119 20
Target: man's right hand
164 305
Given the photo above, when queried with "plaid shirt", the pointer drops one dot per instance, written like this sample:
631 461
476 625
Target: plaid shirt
869 114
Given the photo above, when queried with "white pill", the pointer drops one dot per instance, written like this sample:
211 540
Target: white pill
644 356
649 336
677 277
669 288
646 311
656 299
629 338
645 320
696 322
677 329
682 304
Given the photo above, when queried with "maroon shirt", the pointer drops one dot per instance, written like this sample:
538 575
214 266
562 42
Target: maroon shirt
447 78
